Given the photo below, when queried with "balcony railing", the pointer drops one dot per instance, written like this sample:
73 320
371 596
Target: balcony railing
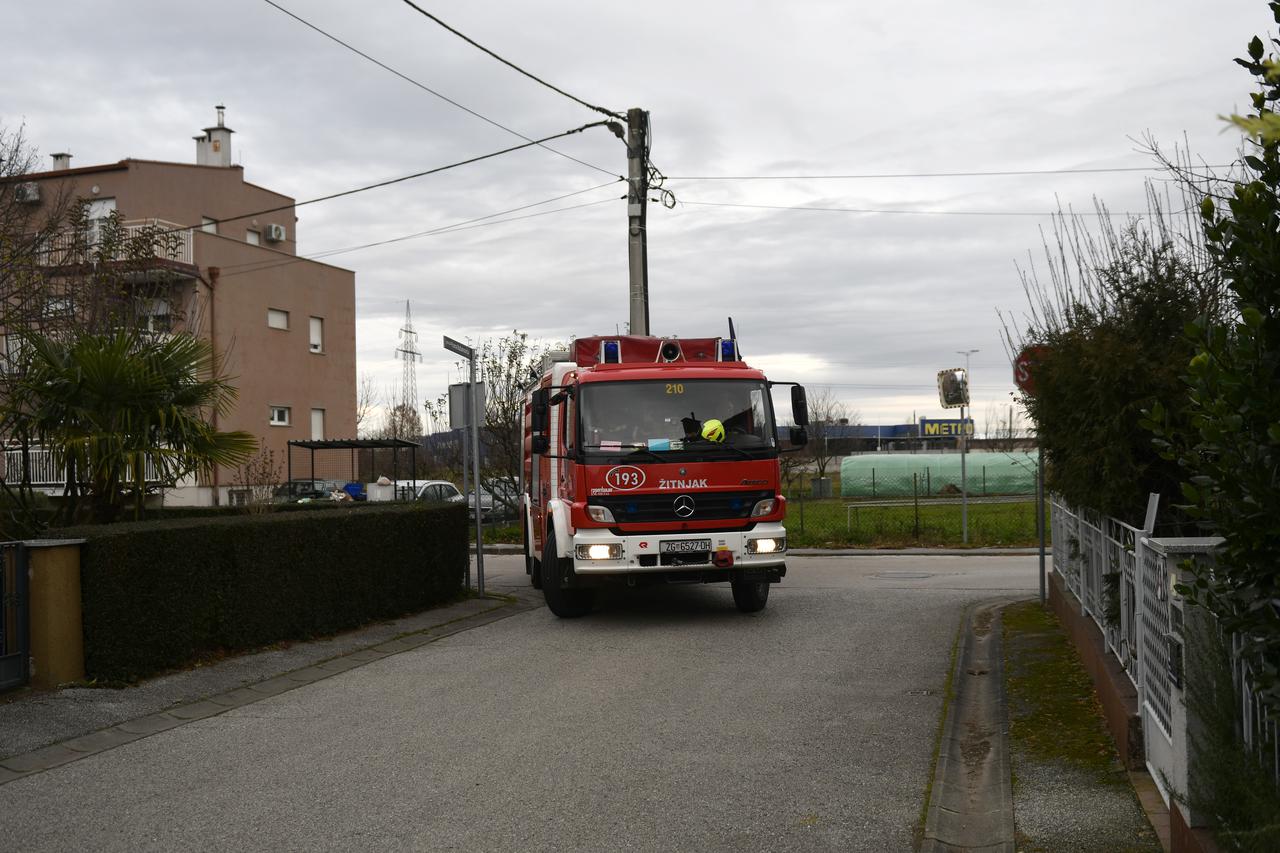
169 242
45 473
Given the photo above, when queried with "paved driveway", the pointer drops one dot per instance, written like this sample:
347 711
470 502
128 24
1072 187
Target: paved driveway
665 721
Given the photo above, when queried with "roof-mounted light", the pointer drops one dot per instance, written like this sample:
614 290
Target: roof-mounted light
728 349
611 352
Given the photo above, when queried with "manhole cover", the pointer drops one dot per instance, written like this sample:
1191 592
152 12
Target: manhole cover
904 575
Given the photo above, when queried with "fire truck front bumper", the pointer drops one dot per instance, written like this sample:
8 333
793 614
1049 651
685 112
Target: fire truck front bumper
601 552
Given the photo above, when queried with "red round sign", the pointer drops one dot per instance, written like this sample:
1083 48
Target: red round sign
1024 367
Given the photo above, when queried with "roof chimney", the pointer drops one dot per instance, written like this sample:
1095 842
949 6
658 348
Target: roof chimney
213 148
61 161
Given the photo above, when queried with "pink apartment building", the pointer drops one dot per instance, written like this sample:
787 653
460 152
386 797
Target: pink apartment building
285 325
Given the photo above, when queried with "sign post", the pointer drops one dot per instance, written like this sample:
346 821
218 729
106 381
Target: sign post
953 391
1024 377
469 354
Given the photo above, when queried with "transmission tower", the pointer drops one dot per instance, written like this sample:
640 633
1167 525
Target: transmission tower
408 353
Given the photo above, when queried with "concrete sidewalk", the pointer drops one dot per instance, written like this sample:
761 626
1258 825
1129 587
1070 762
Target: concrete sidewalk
993 792
42 729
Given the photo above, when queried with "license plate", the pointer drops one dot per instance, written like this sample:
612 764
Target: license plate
685 546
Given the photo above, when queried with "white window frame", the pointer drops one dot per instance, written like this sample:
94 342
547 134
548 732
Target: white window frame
272 411
252 237
315 437
274 313
316 330
208 225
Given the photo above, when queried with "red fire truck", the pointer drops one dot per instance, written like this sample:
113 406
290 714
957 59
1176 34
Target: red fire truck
628 477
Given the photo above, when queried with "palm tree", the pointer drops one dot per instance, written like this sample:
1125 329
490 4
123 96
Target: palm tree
108 406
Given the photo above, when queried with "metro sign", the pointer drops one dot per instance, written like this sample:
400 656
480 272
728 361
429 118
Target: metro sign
1024 367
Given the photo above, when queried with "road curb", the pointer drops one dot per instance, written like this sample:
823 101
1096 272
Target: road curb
971 800
63 752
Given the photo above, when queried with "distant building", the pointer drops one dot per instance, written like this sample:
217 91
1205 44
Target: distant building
285 325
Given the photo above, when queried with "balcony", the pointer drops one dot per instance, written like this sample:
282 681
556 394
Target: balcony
47 476
149 243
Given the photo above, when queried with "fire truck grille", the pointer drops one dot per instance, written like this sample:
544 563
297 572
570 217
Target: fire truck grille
681 506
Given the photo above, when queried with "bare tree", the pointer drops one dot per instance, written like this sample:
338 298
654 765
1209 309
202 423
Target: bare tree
827 415
401 421
1003 426
366 402
507 365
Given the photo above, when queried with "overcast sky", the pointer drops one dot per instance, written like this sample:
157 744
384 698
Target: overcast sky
871 305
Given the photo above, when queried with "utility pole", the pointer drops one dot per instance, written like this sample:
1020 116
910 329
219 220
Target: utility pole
637 235
964 449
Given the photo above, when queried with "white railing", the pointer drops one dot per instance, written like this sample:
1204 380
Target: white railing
1143 622
170 242
46 473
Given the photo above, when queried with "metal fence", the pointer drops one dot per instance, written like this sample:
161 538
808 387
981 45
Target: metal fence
1124 579
919 517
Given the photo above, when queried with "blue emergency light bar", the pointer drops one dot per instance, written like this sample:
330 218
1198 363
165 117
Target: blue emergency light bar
611 352
728 350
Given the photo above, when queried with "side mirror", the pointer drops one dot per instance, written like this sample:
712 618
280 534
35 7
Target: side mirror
799 406
541 444
541 404
799 436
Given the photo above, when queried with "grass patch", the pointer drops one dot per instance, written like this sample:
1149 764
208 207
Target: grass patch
828 524
1054 714
832 524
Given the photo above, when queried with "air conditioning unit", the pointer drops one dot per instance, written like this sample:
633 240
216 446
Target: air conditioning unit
275 233
27 193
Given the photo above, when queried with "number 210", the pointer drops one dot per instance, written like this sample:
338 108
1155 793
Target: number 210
675 388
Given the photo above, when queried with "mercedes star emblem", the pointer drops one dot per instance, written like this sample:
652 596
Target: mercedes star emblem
684 506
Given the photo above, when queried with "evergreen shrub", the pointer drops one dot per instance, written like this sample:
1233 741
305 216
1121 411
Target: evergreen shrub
161 594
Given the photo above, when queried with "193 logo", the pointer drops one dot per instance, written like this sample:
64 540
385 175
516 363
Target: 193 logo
624 478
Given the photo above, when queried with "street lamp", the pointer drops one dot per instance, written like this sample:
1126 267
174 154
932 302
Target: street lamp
964 448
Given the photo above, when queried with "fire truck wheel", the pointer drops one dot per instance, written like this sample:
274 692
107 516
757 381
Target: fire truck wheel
750 596
565 603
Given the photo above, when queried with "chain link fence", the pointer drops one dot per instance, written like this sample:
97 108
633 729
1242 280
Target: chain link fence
890 507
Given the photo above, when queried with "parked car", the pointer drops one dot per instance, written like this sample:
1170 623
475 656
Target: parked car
296 490
438 491
494 507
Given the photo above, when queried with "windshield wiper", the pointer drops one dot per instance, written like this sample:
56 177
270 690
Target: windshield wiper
744 453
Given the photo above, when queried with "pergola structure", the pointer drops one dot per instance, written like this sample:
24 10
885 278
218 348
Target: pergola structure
354 444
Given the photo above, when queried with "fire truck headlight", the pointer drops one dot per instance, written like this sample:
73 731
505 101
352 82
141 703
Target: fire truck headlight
599 552
600 513
766 546
764 507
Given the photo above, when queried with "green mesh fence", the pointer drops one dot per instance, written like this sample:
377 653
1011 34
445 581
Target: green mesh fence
903 475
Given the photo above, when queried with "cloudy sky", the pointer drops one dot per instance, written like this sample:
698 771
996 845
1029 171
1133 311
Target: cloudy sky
870 304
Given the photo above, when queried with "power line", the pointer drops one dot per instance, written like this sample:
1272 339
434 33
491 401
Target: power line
872 176
510 64
444 229
325 253
385 183
907 212
426 88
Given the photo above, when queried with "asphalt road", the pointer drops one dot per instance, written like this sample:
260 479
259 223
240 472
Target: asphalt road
665 721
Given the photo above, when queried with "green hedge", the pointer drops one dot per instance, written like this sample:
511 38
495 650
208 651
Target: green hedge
159 594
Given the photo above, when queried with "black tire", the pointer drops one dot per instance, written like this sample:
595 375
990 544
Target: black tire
565 603
750 596
531 567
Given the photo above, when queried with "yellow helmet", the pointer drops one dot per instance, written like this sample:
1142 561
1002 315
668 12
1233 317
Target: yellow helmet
713 430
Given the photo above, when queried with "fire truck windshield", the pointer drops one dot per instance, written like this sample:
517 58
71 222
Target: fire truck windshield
660 418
